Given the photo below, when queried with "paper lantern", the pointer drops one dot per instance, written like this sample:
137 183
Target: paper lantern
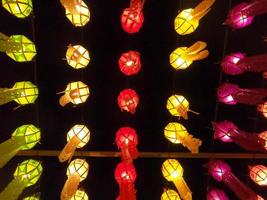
173 171
77 137
23 93
80 195
263 109
31 198
216 194
128 100
23 138
177 133
26 174
130 63
258 174
263 136
132 18
18 8
17 47
183 57
170 195
77 56
187 20
222 130
229 64
77 171
127 140
125 176
76 93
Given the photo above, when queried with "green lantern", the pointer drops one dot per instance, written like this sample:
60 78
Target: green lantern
18 8
23 138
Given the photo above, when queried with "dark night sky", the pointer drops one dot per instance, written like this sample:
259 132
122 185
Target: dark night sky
105 39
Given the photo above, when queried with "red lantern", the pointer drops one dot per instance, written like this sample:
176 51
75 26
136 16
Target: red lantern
130 63
125 176
132 18
128 100
126 140
258 174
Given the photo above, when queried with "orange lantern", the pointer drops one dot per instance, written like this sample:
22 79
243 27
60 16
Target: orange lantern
258 174
130 63
263 109
263 135
77 56
128 100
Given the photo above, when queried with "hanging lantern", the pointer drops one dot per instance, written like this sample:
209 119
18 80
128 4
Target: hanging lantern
231 94
221 172
132 18
130 63
77 137
77 56
76 93
258 174
26 174
125 176
183 57
17 47
127 140
263 136
80 195
177 133
229 64
128 100
77 171
216 194
222 131
31 198
263 109
22 92
170 195
18 8
173 171
187 20
24 138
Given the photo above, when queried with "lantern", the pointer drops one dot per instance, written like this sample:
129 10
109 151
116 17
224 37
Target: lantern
31 198
80 195
18 8
183 57
77 56
216 194
231 94
229 64
170 195
258 174
177 133
26 174
222 131
77 137
187 20
263 109
125 176
77 12
77 171
132 18
128 100
263 136
24 138
130 63
17 47
22 92
173 171
127 140
76 93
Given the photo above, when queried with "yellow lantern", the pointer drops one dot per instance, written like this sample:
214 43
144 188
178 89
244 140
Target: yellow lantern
18 8
183 57
80 195
173 171
76 93
76 172
187 20
77 56
170 195
77 137
177 133
31 198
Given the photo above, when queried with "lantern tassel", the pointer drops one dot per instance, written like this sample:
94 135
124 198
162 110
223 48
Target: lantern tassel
195 52
256 63
183 189
70 187
71 5
69 149
194 112
13 190
7 95
6 44
202 9
64 100
192 144
256 7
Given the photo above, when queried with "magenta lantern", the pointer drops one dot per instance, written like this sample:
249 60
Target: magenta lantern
216 194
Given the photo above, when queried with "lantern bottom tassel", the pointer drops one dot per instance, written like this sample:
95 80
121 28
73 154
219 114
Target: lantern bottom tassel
13 190
70 187
183 189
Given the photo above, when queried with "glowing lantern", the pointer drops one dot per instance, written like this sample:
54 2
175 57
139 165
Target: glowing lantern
263 136
258 174
26 174
77 56
173 171
77 137
177 133
22 92
17 47
170 195
31 198
125 176
18 8
76 172
76 93
187 20
24 138
263 109
229 64
80 195
222 130
221 171
127 140
128 100
130 63
216 194
183 57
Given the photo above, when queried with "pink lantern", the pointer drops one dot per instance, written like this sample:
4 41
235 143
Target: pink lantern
229 64
222 131
216 194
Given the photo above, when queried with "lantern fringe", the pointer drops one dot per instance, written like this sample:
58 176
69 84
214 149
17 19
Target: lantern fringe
195 52
69 149
13 190
202 9
70 5
256 7
183 189
70 187
7 95
192 143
